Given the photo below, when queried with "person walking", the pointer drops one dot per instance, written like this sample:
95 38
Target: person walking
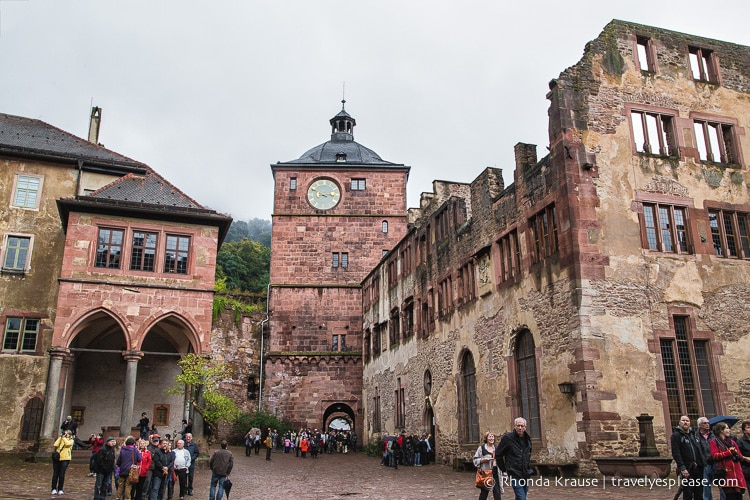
269 445
104 465
484 459
64 448
514 457
220 463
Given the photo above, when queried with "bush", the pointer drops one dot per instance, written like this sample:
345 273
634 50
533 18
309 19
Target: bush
259 419
374 448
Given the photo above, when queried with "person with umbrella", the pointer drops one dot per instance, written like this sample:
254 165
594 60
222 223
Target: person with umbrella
725 453
220 463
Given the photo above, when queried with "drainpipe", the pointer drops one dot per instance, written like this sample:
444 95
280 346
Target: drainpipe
260 369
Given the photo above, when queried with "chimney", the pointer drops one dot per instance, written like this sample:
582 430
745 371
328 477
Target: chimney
94 123
525 157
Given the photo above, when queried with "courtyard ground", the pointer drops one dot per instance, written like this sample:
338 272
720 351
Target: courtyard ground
327 477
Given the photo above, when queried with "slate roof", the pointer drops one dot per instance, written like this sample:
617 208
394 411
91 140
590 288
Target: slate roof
355 153
149 189
28 137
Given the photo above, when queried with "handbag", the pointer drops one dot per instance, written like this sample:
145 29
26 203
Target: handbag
484 479
134 472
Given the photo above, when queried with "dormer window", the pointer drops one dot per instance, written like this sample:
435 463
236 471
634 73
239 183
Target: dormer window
340 157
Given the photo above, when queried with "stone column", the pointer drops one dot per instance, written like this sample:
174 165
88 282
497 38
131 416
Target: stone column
128 399
51 398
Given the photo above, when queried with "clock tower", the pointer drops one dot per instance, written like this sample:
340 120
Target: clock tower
337 209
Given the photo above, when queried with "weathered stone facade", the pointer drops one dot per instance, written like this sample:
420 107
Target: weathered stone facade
618 264
320 252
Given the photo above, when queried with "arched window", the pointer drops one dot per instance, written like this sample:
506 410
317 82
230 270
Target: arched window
32 420
385 226
528 395
467 400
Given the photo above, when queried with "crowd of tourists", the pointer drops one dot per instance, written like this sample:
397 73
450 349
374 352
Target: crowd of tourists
149 467
302 443
408 450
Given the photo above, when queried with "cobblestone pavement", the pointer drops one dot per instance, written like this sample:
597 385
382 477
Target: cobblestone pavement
327 477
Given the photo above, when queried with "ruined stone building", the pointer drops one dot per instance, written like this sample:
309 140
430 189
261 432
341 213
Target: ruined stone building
107 276
610 279
337 209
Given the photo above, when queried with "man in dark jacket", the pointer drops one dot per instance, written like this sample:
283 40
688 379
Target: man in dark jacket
160 463
104 465
514 457
220 463
192 447
687 454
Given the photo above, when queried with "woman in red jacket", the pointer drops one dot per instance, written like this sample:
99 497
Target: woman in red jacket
145 464
725 454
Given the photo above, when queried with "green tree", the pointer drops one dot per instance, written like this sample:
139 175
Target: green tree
202 377
245 264
255 229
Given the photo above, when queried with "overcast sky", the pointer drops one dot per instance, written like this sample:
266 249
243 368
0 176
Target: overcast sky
211 93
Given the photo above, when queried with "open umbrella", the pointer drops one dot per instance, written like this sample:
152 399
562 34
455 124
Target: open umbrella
227 486
730 421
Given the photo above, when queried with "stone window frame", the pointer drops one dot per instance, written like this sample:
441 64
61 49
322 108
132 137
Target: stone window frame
4 253
514 386
292 184
713 351
177 250
445 296
18 190
653 237
543 238
22 333
467 282
358 184
143 248
104 258
703 64
161 415
727 139
399 405
507 248
338 342
376 420
162 233
656 129
644 49
468 416
407 313
737 219
677 125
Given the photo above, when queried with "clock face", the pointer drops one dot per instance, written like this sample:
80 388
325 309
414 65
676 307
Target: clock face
323 194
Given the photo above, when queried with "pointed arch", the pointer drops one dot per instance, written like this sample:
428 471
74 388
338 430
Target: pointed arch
95 323
175 327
